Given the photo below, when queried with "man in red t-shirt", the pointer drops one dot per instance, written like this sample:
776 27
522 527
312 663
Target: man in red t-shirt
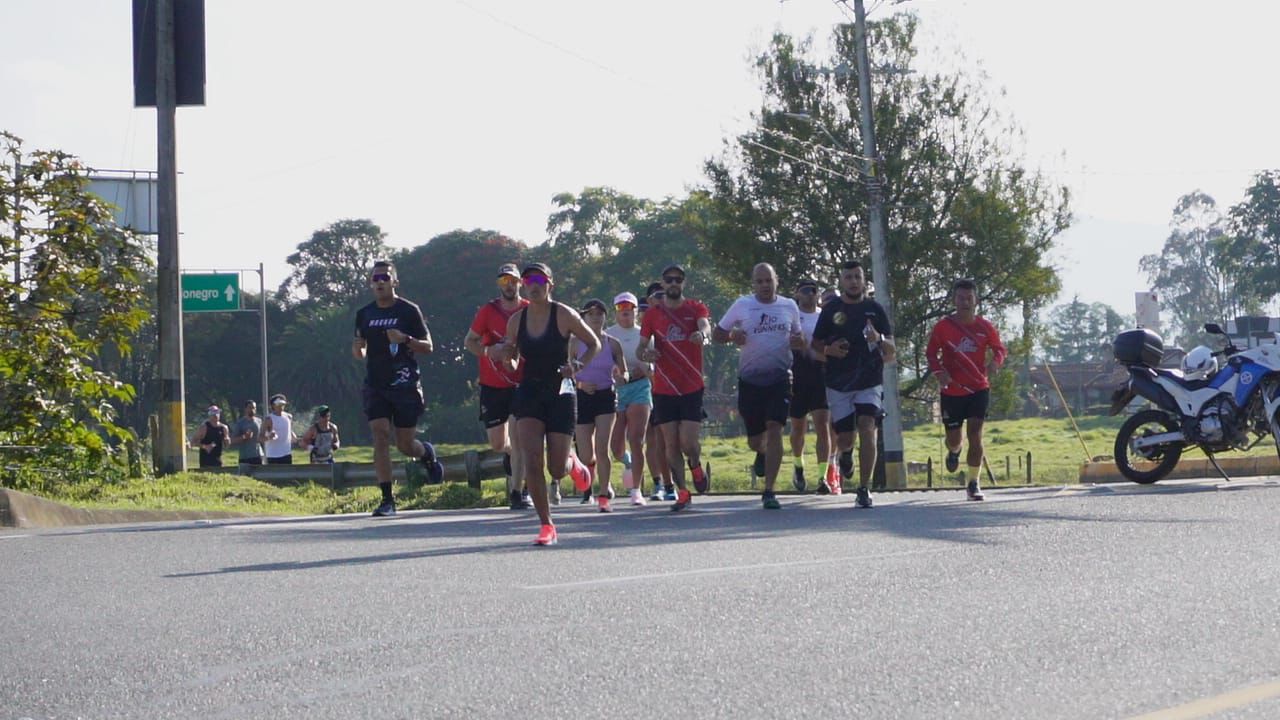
957 354
679 328
499 376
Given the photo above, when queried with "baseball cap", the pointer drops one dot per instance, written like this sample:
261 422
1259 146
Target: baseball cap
625 297
807 282
675 267
593 303
322 410
279 398
213 410
537 267
509 269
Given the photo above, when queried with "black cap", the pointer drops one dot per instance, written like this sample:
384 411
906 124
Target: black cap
536 267
322 410
673 266
593 303
653 288
807 282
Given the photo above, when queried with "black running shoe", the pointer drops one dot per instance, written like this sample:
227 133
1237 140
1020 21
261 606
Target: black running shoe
846 464
586 497
757 468
435 468
517 502
797 478
864 497
973 492
823 489
386 509
953 461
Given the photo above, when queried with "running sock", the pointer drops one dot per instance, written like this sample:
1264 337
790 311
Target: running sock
975 472
506 463
799 461
823 474
386 492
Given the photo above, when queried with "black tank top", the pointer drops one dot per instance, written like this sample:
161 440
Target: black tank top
544 355
212 434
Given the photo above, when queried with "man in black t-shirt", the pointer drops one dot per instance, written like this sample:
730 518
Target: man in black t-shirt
853 333
389 332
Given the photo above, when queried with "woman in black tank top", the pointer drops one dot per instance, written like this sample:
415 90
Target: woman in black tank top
544 404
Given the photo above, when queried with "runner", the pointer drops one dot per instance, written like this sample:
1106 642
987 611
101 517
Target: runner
635 396
597 403
498 380
389 332
767 329
957 354
679 327
544 400
853 333
809 397
655 449
321 439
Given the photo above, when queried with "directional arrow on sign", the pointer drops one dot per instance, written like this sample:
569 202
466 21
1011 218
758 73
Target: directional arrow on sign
230 293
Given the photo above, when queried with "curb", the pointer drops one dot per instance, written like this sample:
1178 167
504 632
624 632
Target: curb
1242 467
20 510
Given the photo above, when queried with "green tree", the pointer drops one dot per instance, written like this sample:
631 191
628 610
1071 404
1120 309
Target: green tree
958 200
76 293
1255 222
1082 332
328 269
1196 273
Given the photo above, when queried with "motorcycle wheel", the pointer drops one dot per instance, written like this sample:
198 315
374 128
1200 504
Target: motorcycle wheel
1164 457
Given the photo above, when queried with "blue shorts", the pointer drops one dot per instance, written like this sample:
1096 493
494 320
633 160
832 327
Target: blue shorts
636 392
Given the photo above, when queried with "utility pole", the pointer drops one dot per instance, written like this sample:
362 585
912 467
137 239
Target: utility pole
172 426
894 462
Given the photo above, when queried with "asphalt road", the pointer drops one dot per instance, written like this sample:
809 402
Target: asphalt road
1107 602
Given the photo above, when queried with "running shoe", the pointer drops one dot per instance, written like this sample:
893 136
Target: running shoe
770 501
637 498
525 500
553 492
683 500
517 502
953 461
657 491
973 492
580 473
823 487
757 467
669 493
546 536
701 480
864 497
586 497
386 509
603 502
432 464
846 464
797 478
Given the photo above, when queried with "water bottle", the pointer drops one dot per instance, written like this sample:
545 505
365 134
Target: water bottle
866 333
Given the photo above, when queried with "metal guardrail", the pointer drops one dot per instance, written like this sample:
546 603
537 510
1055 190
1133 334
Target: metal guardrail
471 467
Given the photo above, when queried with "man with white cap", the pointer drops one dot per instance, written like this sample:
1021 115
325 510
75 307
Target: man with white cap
211 437
277 432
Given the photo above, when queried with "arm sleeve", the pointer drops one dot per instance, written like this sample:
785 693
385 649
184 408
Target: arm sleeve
731 316
703 311
1001 352
417 324
478 324
882 321
823 327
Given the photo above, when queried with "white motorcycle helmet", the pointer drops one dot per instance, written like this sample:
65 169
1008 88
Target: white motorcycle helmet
1199 363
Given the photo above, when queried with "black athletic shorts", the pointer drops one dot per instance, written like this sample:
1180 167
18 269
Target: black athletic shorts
537 400
282 460
682 408
958 408
495 405
593 405
808 393
761 404
251 461
402 406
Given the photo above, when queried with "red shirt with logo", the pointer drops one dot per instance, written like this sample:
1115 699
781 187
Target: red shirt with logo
491 325
961 350
678 370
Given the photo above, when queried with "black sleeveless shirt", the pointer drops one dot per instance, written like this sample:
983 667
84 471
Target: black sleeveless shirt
546 354
212 434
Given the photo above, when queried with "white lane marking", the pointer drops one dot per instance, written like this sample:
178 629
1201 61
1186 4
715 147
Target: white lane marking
12 537
725 569
1204 707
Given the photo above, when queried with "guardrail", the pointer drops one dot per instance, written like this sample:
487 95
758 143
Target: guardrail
471 467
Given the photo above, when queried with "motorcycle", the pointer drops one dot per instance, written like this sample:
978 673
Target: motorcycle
1198 406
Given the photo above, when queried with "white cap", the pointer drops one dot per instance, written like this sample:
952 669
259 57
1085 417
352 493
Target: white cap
625 297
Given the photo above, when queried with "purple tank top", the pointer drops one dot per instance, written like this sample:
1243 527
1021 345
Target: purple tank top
599 371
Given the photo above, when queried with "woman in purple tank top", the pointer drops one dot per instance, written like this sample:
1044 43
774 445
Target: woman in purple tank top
597 402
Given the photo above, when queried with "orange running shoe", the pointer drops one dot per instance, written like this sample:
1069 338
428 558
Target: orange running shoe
602 502
683 500
580 473
547 536
833 479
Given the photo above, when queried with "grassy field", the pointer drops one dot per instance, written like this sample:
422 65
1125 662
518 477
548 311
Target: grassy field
1057 453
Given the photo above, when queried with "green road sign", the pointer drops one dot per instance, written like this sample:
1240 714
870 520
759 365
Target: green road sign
210 293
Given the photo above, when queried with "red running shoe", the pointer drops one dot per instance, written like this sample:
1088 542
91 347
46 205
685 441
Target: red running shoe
701 478
602 502
547 536
683 500
580 473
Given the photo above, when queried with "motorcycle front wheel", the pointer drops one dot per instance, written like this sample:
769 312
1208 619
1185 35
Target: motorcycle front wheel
1150 464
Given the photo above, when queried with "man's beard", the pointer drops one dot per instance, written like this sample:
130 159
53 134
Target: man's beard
674 293
510 294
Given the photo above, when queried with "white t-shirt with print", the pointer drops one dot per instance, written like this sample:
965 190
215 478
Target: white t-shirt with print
765 359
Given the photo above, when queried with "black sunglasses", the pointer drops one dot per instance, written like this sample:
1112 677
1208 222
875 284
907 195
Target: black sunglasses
807 290
673 279
380 277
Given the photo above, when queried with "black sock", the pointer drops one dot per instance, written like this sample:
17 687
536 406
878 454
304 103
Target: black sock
386 492
506 463
669 487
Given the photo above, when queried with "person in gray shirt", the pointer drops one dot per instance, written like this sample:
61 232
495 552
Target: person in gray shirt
246 435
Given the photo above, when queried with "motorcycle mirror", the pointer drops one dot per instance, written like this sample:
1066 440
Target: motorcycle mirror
1213 328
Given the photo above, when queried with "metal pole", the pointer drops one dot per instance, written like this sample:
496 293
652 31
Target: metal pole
171 440
262 331
17 232
894 461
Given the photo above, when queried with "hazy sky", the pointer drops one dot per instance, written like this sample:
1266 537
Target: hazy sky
446 114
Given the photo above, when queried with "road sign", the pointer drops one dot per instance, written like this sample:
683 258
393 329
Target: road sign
210 293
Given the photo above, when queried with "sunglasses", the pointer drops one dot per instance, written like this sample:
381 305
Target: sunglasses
673 279
536 279
380 277
807 290
623 307
506 280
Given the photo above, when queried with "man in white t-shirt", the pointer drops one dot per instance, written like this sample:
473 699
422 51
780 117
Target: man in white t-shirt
766 328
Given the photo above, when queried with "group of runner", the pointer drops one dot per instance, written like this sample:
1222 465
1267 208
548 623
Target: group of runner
552 376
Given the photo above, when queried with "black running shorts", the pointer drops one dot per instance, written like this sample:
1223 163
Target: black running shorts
403 406
495 405
678 408
594 404
760 405
958 408
535 400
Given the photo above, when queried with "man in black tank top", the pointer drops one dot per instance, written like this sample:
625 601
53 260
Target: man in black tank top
211 437
390 331
545 399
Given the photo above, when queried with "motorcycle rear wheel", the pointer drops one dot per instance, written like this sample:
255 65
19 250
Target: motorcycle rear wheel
1164 457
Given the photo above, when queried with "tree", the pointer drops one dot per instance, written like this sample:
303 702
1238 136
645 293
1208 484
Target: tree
328 269
1255 223
1197 273
1081 332
958 201
76 293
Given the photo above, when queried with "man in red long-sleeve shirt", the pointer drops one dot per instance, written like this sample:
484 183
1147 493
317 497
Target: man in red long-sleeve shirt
957 356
